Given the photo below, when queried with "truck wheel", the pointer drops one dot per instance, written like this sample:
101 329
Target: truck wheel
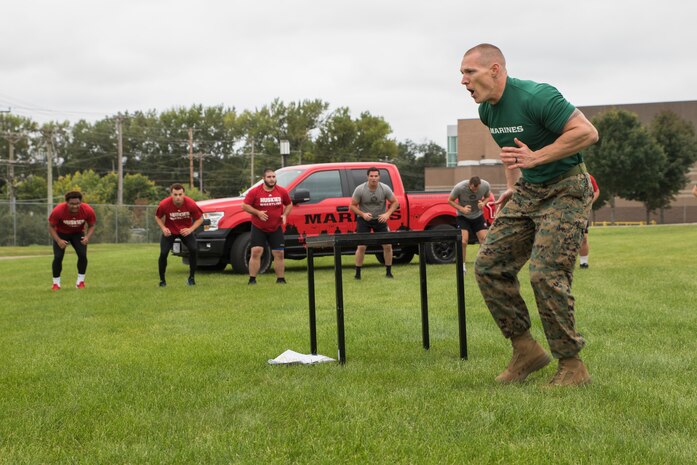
443 252
403 257
240 252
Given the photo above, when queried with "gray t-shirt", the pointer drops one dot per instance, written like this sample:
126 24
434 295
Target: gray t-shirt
465 196
373 202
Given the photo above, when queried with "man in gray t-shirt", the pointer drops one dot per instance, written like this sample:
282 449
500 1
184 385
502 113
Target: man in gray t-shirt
369 203
468 198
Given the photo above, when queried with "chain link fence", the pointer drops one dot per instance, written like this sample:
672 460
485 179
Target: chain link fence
26 223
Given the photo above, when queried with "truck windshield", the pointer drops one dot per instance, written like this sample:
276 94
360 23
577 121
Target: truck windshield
284 177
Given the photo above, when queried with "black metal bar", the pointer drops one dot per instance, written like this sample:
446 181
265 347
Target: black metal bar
338 282
460 278
424 295
311 298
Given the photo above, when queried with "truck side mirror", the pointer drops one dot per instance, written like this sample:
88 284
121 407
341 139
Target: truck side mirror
301 196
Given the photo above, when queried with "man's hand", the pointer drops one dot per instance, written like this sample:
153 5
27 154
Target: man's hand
503 198
84 240
166 232
466 209
262 215
62 244
283 219
383 218
367 216
518 157
186 231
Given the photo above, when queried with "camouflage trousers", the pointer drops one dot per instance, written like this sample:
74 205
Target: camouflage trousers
542 223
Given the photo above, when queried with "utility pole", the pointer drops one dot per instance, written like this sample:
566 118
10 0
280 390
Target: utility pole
12 138
200 172
251 175
48 138
119 133
191 158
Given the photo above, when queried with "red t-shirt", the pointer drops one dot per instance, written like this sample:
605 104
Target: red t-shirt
177 218
272 202
595 184
68 223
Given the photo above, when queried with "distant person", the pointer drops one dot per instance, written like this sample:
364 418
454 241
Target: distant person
548 199
369 204
585 248
66 224
469 198
178 217
269 204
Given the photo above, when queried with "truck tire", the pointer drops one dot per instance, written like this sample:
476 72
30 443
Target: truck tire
403 257
443 252
240 252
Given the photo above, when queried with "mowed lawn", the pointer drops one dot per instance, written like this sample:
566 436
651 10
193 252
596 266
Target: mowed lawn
126 372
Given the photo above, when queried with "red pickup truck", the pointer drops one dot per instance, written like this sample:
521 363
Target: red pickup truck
321 194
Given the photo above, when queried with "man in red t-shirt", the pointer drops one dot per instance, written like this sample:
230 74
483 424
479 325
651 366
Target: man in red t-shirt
66 224
178 217
269 205
585 248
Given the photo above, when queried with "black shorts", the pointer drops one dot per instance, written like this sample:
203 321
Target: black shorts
473 226
363 226
274 239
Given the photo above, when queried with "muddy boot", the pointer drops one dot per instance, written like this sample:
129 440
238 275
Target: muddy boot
571 372
528 356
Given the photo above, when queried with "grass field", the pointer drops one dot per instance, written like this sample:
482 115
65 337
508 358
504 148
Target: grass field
126 372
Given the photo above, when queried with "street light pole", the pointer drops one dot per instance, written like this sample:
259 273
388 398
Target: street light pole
285 151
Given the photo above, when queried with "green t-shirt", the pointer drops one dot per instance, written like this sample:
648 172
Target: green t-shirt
536 114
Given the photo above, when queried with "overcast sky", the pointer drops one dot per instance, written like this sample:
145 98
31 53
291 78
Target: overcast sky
398 59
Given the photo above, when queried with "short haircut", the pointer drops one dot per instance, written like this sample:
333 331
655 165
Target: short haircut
176 187
266 170
371 169
489 54
73 195
475 181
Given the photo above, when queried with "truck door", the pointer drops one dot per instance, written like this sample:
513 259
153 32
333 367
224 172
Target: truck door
327 210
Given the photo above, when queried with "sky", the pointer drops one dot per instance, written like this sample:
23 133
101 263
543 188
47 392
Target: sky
398 59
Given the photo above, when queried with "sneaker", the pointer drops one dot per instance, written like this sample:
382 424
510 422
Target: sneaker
56 287
358 277
190 281
389 275
281 281
583 265
252 281
163 284
80 285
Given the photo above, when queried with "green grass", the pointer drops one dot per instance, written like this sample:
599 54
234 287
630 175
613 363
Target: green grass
126 372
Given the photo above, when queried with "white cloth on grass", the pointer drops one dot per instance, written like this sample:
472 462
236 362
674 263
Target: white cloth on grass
291 357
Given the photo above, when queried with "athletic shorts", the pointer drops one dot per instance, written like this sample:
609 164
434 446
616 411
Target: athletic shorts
273 239
363 226
472 225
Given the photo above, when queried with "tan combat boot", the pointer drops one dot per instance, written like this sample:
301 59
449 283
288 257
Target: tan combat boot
528 356
571 372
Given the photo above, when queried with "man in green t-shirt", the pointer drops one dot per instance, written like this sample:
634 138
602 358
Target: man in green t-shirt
544 211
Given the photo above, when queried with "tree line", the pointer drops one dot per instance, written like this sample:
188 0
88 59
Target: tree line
645 163
231 147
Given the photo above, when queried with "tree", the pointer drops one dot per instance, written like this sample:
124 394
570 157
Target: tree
626 159
412 159
677 138
343 138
